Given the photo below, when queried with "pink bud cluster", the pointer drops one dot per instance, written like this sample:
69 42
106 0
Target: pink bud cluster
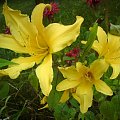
54 10
74 53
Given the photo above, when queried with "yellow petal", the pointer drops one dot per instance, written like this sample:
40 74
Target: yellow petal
37 16
102 87
112 38
81 68
14 70
59 36
86 102
37 20
113 54
67 84
85 93
37 59
69 72
100 45
44 73
102 36
76 97
97 47
98 68
8 42
65 96
21 28
116 71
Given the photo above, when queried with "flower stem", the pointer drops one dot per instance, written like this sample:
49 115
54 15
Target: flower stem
82 116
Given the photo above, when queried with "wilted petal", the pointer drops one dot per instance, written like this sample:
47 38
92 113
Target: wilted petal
102 87
98 68
116 70
8 42
67 84
59 36
44 73
65 96
69 72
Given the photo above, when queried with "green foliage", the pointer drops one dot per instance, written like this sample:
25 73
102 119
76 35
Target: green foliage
4 62
4 89
64 112
68 58
89 116
91 57
116 101
33 80
107 109
110 109
90 40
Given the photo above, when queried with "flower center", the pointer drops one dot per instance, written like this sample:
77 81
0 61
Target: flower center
89 77
73 90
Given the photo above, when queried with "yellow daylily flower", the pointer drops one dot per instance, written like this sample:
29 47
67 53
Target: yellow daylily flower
39 42
81 79
108 47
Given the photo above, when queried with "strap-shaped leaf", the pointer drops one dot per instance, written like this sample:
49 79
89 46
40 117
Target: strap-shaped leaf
91 38
4 62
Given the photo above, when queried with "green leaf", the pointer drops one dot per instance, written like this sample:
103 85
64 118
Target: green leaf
33 80
4 89
64 112
115 29
116 101
108 110
74 103
91 58
91 38
4 62
89 116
